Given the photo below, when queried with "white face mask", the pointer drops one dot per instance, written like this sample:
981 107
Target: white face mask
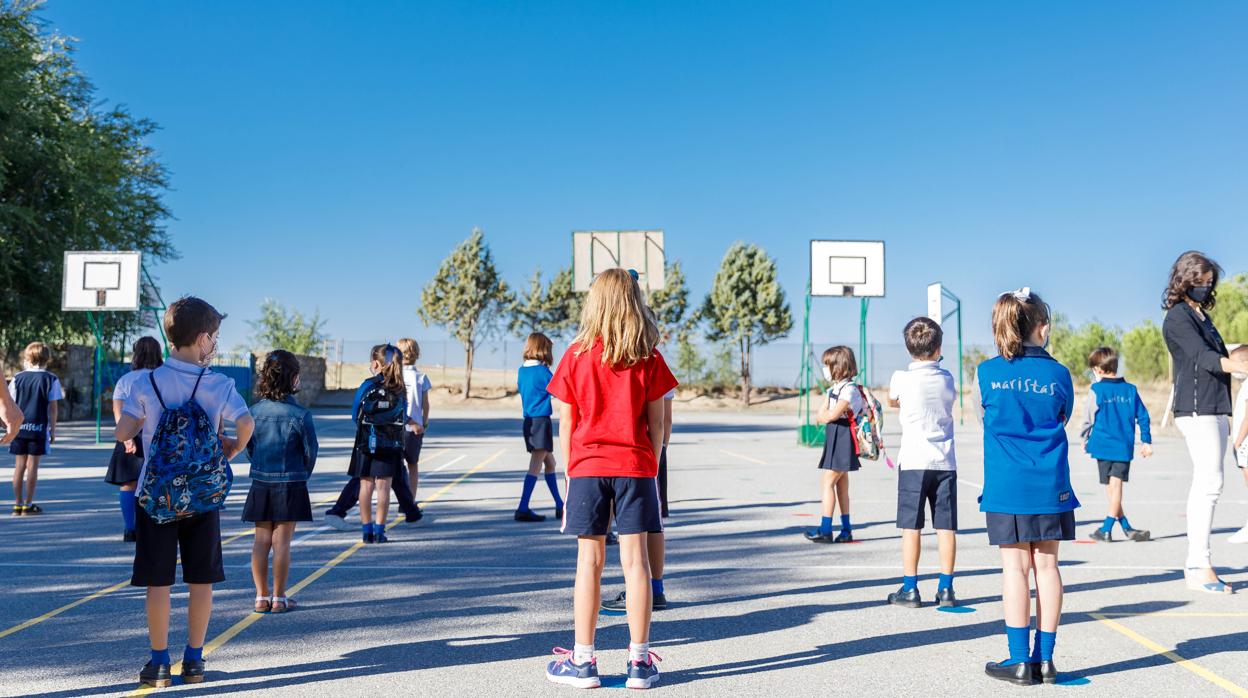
827 373
206 357
1240 376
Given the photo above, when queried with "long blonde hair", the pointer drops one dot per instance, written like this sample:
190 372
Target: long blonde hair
615 313
1014 316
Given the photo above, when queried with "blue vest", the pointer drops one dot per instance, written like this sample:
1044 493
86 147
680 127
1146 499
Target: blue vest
1027 402
1118 409
532 382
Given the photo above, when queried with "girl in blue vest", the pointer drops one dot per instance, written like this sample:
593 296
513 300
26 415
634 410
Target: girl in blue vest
1026 397
532 378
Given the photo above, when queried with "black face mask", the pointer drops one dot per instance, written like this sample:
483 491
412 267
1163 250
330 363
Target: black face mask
1199 294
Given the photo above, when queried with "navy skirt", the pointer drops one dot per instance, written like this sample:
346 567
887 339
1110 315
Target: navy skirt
1008 529
277 501
539 434
839 450
125 467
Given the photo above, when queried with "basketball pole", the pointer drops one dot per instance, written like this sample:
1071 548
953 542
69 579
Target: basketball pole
97 328
862 342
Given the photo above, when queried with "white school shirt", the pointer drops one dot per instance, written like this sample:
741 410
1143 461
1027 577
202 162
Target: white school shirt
926 393
416 384
1237 419
846 390
125 384
176 378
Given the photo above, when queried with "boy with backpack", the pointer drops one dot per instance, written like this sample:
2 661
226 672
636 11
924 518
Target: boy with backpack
182 490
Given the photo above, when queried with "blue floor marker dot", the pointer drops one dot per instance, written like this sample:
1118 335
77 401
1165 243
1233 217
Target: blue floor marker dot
955 609
1074 681
610 612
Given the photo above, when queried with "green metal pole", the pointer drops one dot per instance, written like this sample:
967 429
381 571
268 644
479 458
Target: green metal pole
803 398
862 342
97 391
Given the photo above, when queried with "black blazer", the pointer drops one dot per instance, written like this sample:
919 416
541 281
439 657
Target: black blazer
1196 352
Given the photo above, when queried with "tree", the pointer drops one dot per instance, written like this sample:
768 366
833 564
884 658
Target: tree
1230 314
746 305
670 303
1144 352
690 364
74 175
971 359
467 297
1071 346
527 312
553 309
279 328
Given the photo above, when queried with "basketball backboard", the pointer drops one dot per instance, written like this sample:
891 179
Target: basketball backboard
101 281
935 303
595 251
847 268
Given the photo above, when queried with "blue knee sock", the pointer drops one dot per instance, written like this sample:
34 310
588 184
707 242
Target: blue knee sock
161 656
192 654
1017 641
125 499
845 527
378 529
1046 642
946 582
552 482
908 582
366 529
656 586
825 526
529 482
1108 524
1122 521
1035 649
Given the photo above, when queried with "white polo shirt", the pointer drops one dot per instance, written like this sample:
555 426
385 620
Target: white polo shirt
926 393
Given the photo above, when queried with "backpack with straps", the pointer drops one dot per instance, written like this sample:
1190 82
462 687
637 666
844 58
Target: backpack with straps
187 473
382 417
868 426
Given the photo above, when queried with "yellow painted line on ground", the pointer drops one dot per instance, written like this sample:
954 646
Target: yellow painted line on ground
1233 688
1175 614
232 631
742 456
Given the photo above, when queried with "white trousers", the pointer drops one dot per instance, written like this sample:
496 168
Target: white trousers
1207 437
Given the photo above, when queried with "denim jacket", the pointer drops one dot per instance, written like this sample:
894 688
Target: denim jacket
283 447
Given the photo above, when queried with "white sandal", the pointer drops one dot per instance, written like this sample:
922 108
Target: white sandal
1214 587
262 600
287 604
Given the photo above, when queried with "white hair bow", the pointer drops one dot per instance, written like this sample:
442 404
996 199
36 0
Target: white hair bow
1022 295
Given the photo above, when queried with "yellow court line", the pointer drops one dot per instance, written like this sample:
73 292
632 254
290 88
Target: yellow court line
1175 614
742 456
1233 688
232 631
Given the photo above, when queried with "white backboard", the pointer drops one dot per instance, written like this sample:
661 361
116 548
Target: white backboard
935 303
595 251
847 268
101 281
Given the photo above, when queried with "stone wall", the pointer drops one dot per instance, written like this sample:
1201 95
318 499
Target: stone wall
311 377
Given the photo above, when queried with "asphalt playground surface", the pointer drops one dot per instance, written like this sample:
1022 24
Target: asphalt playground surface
469 603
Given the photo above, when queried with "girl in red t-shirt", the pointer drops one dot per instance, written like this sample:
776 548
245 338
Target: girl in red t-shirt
611 384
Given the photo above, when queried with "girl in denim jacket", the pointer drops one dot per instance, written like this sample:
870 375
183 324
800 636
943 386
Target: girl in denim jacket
282 453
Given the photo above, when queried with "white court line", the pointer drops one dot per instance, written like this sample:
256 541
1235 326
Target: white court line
449 462
972 483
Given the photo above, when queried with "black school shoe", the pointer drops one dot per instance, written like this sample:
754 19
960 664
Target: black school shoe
844 537
906 598
528 515
659 603
1044 671
945 598
1139 535
1019 674
193 672
814 536
414 516
155 675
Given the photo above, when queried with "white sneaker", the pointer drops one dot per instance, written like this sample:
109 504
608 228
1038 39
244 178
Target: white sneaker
338 522
1240 536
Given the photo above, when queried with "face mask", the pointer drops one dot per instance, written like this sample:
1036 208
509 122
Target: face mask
1200 294
827 374
206 357
1240 376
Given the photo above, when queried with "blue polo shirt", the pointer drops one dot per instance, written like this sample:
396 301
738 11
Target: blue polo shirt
1114 408
1026 403
532 379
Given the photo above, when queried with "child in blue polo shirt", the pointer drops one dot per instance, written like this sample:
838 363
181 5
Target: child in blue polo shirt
1026 398
36 391
1110 415
539 435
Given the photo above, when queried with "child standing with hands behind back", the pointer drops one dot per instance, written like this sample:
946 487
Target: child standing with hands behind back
1026 398
840 453
611 382
532 378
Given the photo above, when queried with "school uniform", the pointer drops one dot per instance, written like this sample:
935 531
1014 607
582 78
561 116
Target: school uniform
539 431
1111 412
926 462
671 395
840 447
125 467
34 390
1026 403
197 538
612 468
365 464
417 385
283 452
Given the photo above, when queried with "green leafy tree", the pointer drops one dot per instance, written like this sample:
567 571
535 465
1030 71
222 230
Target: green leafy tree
282 328
467 297
75 174
671 303
746 306
528 310
1230 314
972 357
1144 352
690 364
553 309
1071 346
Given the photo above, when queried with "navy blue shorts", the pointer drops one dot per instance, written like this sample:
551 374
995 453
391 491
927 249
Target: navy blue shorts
1113 468
938 489
28 447
1008 529
412 443
592 500
539 434
156 552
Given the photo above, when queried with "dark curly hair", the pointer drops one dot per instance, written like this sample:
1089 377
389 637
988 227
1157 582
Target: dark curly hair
1185 274
277 376
147 354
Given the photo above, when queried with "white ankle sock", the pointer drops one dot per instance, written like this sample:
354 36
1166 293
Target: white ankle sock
639 652
582 653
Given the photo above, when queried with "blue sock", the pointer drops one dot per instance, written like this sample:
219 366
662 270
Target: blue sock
825 526
1046 642
366 529
161 656
192 654
378 529
1108 524
1017 640
656 586
845 527
908 582
125 499
946 582
529 482
1035 649
1122 521
552 482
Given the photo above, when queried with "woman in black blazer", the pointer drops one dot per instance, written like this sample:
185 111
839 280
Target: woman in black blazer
1201 402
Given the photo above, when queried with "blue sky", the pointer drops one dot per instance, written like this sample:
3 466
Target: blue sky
329 154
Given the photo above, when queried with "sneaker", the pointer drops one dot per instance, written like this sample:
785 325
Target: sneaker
814 536
33 509
18 510
612 539
155 675
128 537
193 671
658 603
643 674
414 516
1138 535
563 670
906 598
1240 536
337 521
844 537
945 598
1101 535
528 515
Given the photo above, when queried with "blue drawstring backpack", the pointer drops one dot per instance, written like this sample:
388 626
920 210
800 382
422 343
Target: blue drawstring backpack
187 473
